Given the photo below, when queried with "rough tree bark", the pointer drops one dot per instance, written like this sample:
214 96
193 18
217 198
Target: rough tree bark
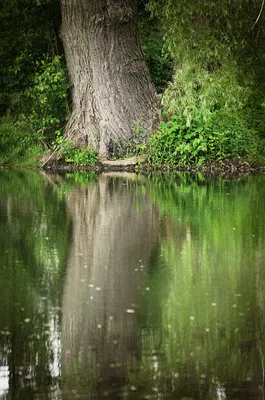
112 91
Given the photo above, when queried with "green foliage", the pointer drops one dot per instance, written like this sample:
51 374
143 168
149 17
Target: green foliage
221 136
43 110
17 146
68 152
80 156
151 34
47 98
218 54
28 29
175 143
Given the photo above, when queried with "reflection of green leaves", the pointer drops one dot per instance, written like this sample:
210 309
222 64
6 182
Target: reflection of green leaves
205 305
34 237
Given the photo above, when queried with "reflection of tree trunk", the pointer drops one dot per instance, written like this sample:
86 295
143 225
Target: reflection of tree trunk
114 232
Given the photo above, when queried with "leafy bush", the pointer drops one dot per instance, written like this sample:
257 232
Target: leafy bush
182 143
218 83
71 154
47 98
17 147
175 143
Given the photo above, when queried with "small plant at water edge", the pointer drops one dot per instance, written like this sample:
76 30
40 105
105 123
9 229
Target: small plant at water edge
68 152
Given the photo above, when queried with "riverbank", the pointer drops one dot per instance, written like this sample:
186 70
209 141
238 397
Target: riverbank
140 164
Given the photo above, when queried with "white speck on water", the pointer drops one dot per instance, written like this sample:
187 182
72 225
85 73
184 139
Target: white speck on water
99 326
111 317
207 330
214 304
91 285
136 269
82 280
192 317
130 311
91 297
133 388
98 288
148 288
176 375
85 266
27 320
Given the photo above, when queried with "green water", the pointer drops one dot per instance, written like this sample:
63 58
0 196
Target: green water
131 287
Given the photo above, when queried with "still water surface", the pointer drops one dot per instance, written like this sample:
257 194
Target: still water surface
130 287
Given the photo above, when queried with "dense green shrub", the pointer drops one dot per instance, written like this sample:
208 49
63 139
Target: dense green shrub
46 99
175 143
218 83
181 144
17 146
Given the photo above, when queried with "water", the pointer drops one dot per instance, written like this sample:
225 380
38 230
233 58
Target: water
131 287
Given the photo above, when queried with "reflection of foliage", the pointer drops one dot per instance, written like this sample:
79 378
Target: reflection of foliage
34 235
204 312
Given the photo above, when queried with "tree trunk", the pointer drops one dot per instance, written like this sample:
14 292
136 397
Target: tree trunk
112 92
